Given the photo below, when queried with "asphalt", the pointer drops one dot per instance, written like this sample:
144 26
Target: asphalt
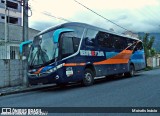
22 89
143 90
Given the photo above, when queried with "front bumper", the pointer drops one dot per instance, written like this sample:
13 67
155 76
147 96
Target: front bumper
43 79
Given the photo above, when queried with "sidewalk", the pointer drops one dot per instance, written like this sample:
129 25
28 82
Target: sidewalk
19 89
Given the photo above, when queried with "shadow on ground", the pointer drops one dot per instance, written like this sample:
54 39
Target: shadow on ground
105 80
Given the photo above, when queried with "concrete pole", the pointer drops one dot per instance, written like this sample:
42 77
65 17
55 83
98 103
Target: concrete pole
6 29
25 38
25 20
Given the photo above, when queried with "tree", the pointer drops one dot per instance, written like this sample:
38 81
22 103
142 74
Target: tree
148 43
153 52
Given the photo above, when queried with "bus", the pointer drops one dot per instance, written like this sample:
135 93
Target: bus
78 52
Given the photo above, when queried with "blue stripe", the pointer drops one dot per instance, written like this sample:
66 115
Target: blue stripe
47 68
58 32
111 54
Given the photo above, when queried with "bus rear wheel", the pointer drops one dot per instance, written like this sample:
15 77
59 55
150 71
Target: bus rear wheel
88 78
131 72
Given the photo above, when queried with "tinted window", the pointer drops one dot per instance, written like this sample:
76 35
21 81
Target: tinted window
119 42
105 40
102 39
67 43
90 37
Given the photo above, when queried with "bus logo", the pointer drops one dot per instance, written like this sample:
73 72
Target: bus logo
91 53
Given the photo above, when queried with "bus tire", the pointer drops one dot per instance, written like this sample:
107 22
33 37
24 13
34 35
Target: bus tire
131 72
88 77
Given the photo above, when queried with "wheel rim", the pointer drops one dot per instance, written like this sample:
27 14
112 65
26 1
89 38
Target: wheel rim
88 78
132 71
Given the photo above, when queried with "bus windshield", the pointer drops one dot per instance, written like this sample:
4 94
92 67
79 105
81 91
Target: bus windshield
42 50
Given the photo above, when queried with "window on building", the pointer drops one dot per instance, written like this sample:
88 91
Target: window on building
90 37
12 20
14 52
12 5
2 17
2 1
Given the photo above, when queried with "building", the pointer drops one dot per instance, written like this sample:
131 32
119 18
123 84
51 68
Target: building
10 49
12 70
14 11
130 34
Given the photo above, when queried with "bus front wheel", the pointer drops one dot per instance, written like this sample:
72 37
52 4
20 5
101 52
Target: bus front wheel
88 77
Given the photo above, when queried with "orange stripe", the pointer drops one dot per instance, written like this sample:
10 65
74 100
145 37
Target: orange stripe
112 61
122 58
74 64
127 51
39 70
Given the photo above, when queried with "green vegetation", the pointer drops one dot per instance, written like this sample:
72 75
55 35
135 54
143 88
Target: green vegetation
148 68
149 51
148 43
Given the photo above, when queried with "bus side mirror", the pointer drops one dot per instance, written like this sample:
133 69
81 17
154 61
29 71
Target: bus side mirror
24 49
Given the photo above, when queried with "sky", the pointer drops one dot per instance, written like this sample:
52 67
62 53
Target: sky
134 15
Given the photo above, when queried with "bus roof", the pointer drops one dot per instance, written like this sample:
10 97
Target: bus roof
85 26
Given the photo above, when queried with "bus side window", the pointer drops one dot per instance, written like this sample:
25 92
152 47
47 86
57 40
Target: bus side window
104 40
119 43
109 41
90 37
101 39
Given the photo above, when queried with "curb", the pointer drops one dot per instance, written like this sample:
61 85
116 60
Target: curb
25 89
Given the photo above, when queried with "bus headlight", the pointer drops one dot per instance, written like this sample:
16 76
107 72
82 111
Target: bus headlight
51 70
